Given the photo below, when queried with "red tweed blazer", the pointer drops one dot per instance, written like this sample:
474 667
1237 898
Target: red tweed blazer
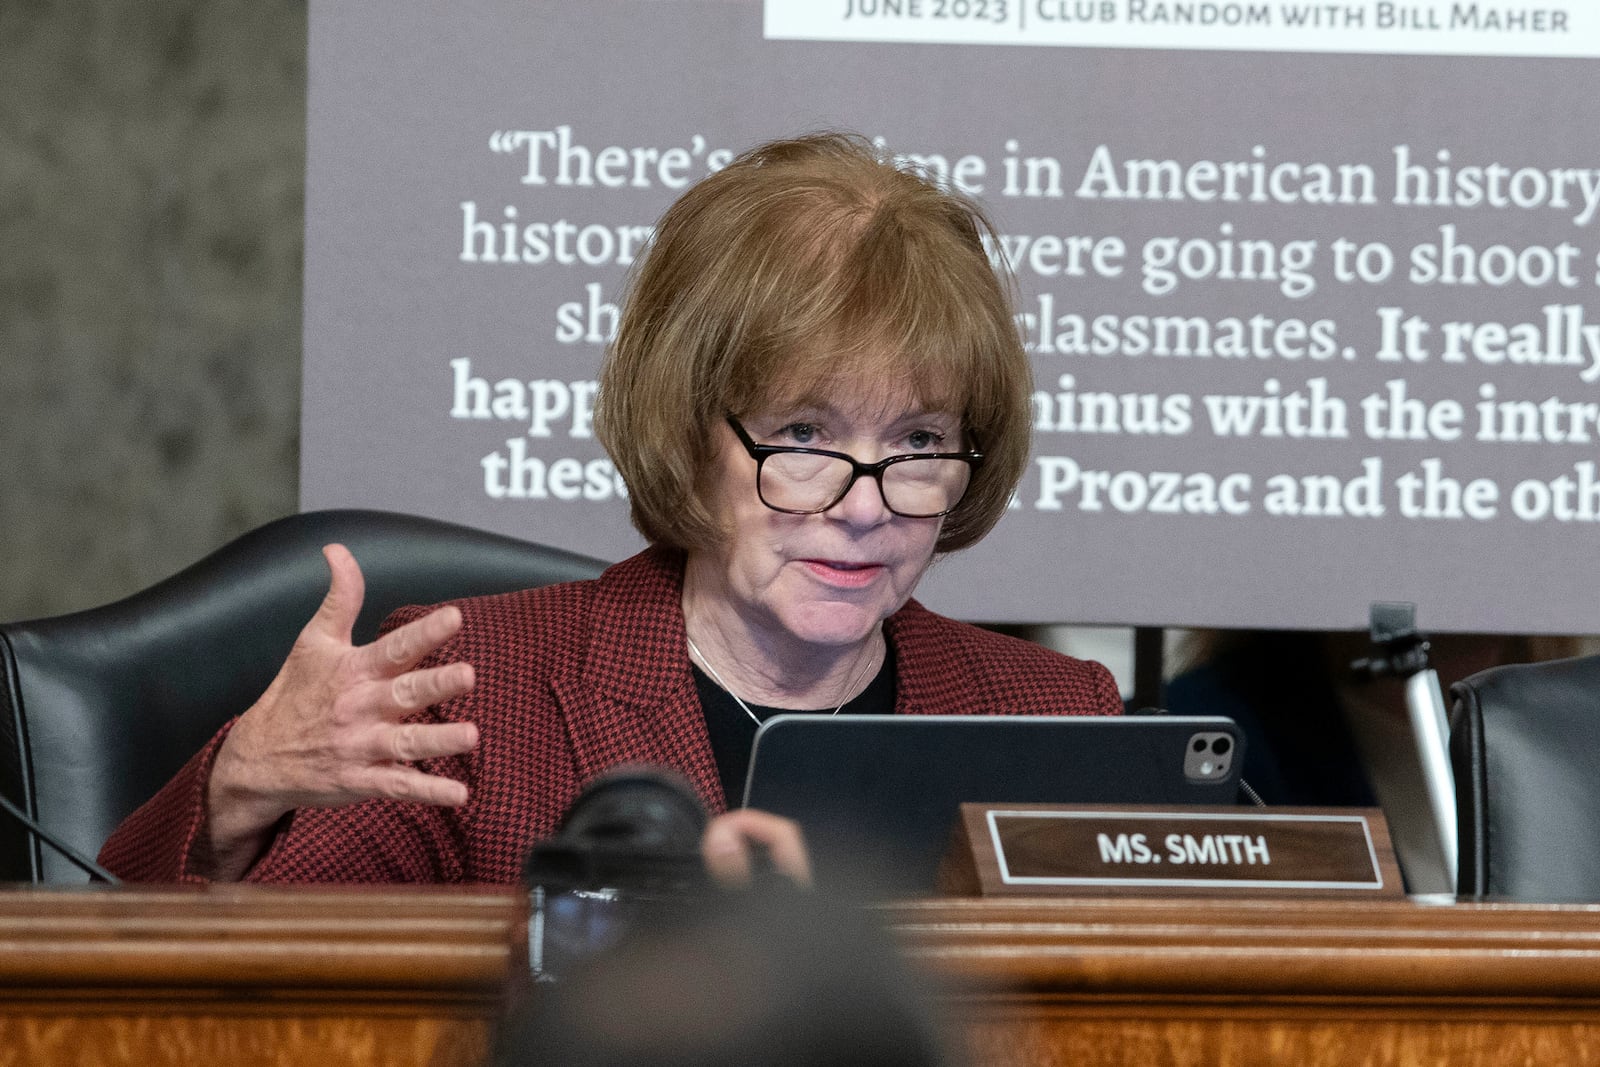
572 680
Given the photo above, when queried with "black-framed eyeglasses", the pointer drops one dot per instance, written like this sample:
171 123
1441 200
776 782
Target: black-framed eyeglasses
804 481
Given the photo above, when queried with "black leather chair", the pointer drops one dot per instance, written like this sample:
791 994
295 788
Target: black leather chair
99 708
1525 747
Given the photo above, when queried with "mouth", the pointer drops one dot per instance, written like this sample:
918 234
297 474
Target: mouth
844 573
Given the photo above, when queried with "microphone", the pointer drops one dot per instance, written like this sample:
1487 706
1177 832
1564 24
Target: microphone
627 858
634 828
76 858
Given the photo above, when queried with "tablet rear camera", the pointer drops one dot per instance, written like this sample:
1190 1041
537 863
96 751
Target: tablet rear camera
1209 756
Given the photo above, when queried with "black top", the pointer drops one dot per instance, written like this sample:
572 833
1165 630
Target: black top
733 732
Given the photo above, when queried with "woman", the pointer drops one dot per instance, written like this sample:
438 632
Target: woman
816 386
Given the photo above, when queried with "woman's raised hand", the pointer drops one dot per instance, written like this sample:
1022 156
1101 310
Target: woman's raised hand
328 730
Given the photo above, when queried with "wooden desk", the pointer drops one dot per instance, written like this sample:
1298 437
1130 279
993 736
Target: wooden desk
245 976
239 976
1283 983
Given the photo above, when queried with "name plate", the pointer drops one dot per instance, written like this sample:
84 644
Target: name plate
1047 849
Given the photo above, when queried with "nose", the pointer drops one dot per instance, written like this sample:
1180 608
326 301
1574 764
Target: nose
862 504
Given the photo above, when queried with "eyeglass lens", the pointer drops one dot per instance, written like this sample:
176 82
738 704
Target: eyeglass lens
915 487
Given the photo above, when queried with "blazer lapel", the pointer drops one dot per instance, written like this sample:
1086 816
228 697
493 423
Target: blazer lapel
634 698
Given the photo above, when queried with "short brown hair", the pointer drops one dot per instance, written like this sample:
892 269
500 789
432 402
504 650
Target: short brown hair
803 264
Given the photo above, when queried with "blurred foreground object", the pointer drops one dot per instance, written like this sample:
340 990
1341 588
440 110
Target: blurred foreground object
773 977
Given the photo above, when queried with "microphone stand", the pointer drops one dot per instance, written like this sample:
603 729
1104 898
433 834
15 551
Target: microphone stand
1402 652
77 859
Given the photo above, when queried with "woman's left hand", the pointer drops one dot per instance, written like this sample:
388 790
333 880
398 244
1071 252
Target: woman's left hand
731 841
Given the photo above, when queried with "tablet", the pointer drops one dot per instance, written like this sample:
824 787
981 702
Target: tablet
877 796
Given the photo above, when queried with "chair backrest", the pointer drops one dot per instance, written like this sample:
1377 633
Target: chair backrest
1525 748
99 708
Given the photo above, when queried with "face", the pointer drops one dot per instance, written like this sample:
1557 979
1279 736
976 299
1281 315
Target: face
823 582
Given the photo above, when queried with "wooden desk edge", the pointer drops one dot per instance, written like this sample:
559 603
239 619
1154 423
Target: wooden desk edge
1260 948
471 940
423 940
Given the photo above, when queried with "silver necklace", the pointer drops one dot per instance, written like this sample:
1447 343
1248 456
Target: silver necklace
715 677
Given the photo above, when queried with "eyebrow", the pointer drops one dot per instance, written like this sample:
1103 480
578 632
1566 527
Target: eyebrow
812 405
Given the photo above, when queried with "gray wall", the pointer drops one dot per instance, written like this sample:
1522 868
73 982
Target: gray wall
151 216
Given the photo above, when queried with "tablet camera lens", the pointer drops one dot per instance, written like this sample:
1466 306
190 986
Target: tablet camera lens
1209 756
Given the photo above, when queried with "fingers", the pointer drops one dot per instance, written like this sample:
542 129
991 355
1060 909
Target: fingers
379 768
405 783
727 847
415 740
394 652
401 649
336 616
415 690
